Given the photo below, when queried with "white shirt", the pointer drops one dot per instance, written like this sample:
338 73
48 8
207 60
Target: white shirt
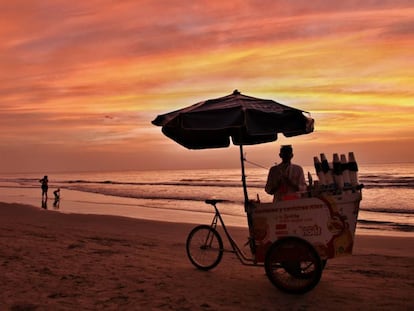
276 180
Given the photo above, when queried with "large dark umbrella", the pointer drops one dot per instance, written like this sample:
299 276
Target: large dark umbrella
247 120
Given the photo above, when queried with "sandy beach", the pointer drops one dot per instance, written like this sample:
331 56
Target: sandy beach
56 261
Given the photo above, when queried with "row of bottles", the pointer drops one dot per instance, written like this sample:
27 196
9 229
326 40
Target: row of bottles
339 175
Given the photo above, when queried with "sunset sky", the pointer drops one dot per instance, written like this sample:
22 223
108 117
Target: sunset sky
81 81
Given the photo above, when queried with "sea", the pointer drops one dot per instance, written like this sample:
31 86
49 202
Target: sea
387 206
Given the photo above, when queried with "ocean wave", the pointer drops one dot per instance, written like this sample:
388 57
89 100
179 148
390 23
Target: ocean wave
377 224
389 185
148 195
381 181
368 183
183 183
389 211
230 184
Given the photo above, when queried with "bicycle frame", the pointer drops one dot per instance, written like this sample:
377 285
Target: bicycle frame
244 259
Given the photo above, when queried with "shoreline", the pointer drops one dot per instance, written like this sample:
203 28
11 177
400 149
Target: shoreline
88 203
65 261
80 202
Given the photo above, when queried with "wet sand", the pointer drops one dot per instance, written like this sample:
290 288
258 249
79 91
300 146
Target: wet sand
57 261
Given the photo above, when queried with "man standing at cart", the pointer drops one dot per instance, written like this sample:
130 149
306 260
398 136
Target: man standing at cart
286 180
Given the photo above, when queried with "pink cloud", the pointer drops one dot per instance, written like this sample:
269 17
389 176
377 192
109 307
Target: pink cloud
67 64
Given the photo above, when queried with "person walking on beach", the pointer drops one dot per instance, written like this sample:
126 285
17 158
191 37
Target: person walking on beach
286 179
45 186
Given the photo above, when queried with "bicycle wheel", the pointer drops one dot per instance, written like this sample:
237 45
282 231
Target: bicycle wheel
204 247
293 265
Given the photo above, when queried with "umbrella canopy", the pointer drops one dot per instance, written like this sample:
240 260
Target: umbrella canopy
247 120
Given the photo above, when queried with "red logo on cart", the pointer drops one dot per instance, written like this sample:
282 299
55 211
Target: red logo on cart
281 229
314 230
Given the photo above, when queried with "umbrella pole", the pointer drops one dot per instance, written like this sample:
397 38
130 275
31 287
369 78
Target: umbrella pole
247 208
246 197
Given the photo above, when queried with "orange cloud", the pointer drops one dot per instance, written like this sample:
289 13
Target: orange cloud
93 74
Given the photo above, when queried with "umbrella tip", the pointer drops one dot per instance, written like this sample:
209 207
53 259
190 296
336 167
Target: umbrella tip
236 92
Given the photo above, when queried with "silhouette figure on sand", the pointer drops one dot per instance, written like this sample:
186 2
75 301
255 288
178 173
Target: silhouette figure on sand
57 197
45 186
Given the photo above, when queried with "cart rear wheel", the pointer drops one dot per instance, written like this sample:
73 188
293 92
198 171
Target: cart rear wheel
293 265
204 247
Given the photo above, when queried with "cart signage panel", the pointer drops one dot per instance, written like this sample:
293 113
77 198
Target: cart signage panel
327 222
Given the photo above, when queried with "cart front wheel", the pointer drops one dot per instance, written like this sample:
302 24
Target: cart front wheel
293 265
204 247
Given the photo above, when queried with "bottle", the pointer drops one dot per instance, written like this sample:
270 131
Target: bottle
319 172
310 179
327 171
337 172
345 172
353 169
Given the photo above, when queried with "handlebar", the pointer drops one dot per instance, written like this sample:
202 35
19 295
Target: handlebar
214 201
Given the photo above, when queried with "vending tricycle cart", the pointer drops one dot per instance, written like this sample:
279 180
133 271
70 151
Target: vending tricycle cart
292 239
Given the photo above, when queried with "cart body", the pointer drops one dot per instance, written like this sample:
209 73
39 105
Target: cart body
327 221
